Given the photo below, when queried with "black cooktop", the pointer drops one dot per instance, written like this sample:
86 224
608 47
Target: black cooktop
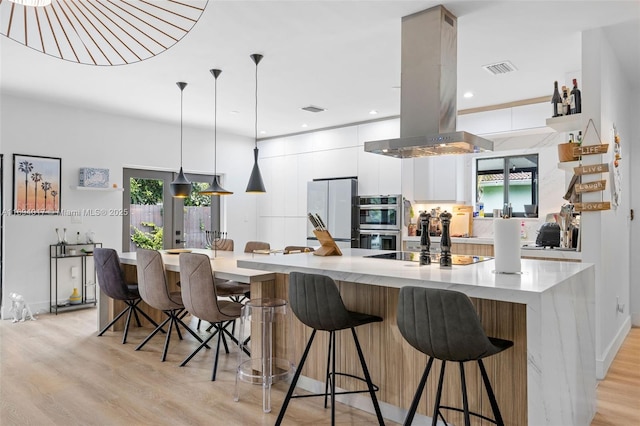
412 256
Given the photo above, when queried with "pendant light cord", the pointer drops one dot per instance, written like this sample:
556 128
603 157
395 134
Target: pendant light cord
215 127
181 94
256 108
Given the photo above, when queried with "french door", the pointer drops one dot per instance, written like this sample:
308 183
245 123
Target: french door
156 220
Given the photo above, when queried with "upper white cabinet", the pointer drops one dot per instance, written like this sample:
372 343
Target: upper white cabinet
378 174
517 120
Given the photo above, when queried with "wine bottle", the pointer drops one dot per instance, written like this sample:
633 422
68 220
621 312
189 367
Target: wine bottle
576 98
556 100
566 110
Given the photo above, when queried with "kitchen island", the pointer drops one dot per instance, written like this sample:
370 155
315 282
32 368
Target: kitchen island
547 378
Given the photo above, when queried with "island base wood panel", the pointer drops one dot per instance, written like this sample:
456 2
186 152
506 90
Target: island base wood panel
397 367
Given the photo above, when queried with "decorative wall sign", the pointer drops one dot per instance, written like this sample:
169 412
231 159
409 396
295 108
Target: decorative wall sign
590 149
592 207
598 185
36 184
589 170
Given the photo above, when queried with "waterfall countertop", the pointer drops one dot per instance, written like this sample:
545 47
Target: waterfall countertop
556 299
476 280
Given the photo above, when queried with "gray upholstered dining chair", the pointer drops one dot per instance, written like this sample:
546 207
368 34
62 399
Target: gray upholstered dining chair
316 302
256 245
224 245
444 325
152 283
200 298
112 283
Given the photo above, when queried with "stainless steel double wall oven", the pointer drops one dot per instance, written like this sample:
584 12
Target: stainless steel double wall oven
380 220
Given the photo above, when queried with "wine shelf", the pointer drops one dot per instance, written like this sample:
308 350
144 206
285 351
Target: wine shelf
565 123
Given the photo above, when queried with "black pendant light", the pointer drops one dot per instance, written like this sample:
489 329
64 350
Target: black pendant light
181 187
215 188
255 180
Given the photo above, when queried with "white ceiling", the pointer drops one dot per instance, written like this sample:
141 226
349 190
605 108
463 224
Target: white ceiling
340 55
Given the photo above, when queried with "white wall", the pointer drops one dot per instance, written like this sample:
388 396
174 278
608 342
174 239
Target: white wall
631 152
84 138
606 234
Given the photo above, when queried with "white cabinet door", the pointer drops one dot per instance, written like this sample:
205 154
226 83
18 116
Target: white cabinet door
435 178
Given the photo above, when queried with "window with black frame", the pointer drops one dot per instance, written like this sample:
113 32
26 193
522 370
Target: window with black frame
504 181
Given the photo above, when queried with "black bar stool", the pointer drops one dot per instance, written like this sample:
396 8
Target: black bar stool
444 325
316 301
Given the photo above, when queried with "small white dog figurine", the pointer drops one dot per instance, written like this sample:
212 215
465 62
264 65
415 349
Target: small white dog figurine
19 308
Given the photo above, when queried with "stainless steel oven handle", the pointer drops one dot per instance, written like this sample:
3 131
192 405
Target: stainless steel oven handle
379 207
378 232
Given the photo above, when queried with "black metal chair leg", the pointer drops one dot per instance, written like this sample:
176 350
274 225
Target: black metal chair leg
155 331
113 321
202 345
189 330
126 325
492 398
367 377
135 312
172 320
328 376
144 314
294 381
416 398
333 382
215 362
465 400
436 406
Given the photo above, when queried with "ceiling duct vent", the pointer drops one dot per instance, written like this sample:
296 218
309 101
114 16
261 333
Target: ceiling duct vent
500 68
312 108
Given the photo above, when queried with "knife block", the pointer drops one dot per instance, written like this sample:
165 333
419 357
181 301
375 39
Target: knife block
329 246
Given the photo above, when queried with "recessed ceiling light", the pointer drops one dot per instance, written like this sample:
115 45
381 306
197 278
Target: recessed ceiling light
304 125
373 112
468 95
263 132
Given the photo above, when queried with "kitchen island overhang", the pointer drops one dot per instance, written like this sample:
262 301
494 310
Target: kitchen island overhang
554 302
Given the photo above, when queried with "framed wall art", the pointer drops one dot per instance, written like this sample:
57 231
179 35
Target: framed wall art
36 184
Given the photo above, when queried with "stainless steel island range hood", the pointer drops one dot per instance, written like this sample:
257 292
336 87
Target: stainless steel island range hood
428 94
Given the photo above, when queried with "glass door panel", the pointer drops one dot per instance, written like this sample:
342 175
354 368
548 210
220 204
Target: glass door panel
157 220
147 199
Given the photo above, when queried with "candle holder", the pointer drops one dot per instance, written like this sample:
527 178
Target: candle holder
214 239
445 241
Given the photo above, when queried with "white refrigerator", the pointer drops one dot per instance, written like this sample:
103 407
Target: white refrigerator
335 200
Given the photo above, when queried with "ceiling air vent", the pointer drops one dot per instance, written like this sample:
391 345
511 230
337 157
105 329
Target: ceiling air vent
312 108
500 68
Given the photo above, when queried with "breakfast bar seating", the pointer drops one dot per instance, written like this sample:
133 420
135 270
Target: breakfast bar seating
316 302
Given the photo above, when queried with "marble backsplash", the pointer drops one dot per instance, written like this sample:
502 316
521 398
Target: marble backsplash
552 181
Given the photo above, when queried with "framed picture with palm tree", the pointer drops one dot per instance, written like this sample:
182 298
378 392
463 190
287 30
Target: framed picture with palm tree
36 184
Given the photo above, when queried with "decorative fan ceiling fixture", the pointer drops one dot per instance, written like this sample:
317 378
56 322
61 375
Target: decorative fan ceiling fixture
99 32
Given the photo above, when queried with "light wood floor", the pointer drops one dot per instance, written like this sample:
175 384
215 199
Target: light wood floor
55 371
619 392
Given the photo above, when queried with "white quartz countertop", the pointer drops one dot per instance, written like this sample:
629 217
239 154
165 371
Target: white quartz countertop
224 264
476 280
